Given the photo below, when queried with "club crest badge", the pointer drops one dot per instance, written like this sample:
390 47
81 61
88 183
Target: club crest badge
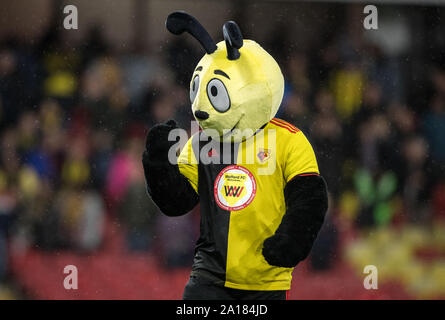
235 188
263 155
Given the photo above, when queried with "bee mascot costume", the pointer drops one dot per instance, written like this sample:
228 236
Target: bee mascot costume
259 218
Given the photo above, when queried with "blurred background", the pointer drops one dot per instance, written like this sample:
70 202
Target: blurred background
75 106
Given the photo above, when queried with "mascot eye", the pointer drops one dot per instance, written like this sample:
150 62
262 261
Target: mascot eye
218 96
194 88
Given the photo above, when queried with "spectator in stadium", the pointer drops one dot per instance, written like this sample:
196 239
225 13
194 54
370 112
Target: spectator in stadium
434 127
327 134
417 179
8 210
177 251
136 211
10 106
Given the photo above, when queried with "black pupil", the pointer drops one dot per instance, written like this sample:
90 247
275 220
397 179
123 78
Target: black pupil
194 84
213 91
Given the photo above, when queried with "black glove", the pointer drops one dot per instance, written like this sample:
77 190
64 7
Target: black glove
163 178
306 205
281 250
157 144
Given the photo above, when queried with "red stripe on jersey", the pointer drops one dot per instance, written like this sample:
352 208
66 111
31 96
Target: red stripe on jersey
307 174
283 126
304 175
286 124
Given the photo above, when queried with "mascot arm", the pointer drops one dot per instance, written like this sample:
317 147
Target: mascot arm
169 189
306 205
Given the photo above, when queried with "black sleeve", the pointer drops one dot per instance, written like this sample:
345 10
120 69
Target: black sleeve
168 188
306 205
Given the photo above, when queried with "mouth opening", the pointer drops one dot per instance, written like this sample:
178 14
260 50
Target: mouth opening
231 130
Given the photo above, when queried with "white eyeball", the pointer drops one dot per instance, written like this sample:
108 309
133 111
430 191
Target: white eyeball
218 96
194 88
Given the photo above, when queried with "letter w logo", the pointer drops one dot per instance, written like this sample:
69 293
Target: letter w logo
232 191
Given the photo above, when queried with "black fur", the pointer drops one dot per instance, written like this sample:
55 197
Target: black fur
306 205
180 21
234 39
168 188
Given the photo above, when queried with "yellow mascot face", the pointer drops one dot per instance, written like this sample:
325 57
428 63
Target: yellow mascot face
236 88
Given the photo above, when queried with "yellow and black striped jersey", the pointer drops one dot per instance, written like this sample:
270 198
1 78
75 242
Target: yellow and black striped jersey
242 203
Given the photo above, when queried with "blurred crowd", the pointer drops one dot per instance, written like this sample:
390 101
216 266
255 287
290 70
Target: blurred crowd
72 131
73 122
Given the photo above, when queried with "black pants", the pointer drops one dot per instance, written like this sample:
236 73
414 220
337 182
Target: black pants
203 288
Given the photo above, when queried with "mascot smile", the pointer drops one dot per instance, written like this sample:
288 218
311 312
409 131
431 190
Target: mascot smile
256 224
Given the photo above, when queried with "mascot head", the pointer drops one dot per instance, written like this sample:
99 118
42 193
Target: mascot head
237 87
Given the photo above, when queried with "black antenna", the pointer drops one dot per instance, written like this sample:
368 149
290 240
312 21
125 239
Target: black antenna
180 21
234 39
